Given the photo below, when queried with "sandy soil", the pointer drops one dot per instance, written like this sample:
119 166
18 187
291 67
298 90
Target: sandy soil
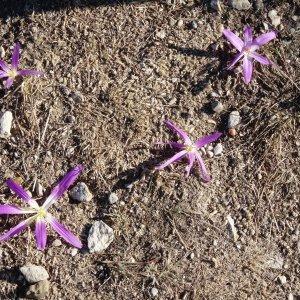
134 67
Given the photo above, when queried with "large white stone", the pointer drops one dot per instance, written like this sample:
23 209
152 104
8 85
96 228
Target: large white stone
5 124
100 237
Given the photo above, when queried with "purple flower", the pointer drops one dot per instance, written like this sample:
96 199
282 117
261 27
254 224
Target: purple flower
247 49
9 73
40 214
189 149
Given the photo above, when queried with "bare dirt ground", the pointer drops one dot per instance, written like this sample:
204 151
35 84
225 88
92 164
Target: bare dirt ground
135 67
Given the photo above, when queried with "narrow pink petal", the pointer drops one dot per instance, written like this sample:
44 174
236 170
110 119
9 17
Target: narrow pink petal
21 193
30 73
8 83
235 60
62 186
15 56
208 139
248 36
173 159
41 234
261 59
68 236
264 38
4 66
3 74
177 130
6 209
16 230
233 39
202 168
247 69
191 157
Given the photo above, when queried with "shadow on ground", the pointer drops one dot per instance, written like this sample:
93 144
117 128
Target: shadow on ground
9 8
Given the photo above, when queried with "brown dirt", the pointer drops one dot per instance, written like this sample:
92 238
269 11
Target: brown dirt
131 81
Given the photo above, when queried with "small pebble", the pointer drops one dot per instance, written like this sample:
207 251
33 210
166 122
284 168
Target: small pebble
5 124
217 106
194 24
210 154
80 192
216 5
234 119
232 132
34 273
77 97
154 292
210 148
161 34
240 4
39 189
113 198
57 243
203 151
74 252
275 19
180 23
282 279
2 52
192 256
218 149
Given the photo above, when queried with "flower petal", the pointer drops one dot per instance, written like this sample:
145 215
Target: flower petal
4 66
6 209
247 69
248 36
27 72
68 236
177 130
173 159
8 83
203 171
41 234
235 60
233 39
15 56
208 139
16 230
3 74
264 38
20 192
261 59
62 186
191 157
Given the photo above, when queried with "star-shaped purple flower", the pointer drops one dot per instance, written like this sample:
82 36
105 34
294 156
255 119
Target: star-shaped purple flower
247 49
40 214
9 73
189 150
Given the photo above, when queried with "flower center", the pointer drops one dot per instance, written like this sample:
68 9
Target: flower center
190 148
12 73
41 213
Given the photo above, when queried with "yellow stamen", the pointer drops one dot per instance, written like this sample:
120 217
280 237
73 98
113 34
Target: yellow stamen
41 213
190 148
12 73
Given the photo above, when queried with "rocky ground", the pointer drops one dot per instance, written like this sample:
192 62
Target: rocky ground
114 73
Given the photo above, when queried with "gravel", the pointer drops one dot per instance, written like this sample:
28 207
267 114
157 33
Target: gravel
154 292
275 19
217 106
234 119
100 237
34 273
5 124
113 198
240 4
218 149
39 290
80 192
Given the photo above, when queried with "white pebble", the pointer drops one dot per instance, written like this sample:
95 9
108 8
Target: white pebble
5 124
180 23
74 251
210 148
154 292
203 151
282 279
113 198
218 149
210 154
